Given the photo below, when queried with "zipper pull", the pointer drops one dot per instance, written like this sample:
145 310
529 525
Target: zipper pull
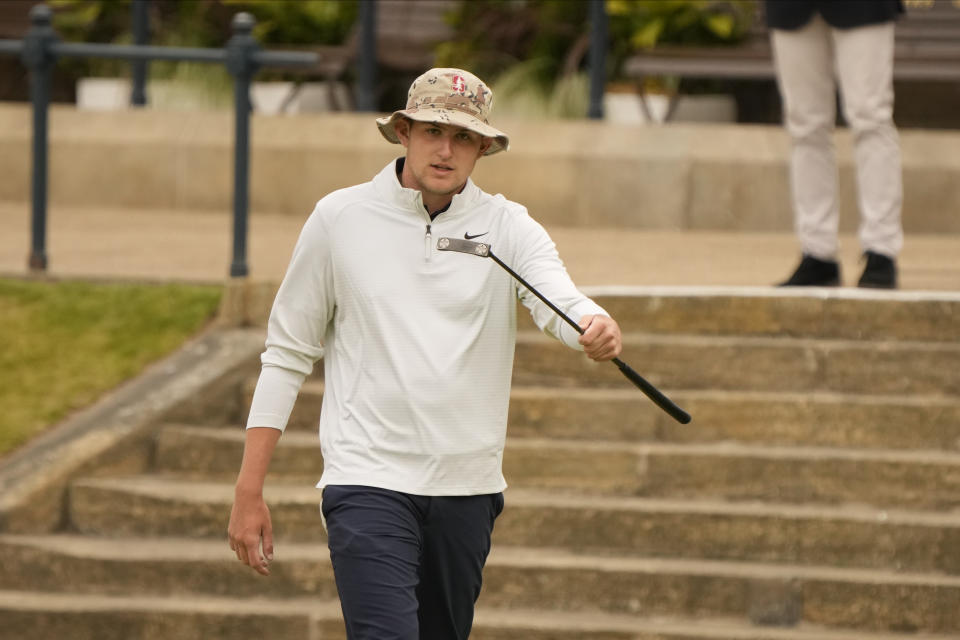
427 244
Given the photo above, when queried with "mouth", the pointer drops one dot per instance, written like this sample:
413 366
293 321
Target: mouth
441 168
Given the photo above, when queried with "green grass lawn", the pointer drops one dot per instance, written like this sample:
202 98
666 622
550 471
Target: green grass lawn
63 344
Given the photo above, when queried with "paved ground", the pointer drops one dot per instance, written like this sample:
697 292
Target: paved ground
197 246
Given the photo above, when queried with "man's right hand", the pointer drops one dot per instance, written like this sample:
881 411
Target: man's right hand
251 532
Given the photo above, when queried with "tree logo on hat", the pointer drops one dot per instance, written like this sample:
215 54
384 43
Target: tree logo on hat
458 84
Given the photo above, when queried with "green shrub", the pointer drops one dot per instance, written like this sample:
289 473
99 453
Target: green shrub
536 52
196 23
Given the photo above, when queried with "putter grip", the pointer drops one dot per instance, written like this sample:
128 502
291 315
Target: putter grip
653 393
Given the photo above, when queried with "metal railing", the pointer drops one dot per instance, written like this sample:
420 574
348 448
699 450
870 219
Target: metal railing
41 48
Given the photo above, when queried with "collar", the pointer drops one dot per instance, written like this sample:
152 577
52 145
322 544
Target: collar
433 214
387 183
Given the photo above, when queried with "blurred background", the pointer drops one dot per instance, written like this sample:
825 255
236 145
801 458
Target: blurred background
817 490
535 53
658 117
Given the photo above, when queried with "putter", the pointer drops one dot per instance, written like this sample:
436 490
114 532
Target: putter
482 250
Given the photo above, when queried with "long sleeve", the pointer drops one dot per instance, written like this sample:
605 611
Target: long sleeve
536 260
298 320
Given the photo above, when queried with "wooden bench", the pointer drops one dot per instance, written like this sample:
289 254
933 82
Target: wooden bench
927 48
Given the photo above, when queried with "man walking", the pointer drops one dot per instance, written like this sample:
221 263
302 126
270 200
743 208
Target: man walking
418 353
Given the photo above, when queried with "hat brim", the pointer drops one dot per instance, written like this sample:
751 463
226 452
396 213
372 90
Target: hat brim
500 141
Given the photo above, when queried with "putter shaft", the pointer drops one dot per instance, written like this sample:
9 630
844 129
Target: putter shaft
483 250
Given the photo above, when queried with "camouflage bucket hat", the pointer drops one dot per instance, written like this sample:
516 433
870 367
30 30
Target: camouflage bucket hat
448 96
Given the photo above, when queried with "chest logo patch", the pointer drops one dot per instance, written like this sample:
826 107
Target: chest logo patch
468 236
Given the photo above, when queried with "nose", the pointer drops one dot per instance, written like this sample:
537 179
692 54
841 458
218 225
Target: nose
446 146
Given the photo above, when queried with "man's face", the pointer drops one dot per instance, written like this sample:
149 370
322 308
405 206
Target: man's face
440 157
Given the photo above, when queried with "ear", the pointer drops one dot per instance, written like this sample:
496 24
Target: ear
402 128
485 145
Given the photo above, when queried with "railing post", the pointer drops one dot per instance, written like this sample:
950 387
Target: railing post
365 98
39 59
598 57
241 50
141 36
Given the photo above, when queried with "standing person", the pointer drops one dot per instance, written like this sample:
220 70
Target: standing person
815 41
418 353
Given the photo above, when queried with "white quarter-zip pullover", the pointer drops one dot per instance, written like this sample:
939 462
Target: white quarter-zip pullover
417 343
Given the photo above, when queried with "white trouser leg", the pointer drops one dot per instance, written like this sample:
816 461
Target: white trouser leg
805 76
865 69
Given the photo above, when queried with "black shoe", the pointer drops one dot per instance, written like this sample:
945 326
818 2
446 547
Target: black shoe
880 272
813 272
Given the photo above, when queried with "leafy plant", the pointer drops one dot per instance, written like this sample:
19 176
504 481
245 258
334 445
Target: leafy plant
307 22
535 51
493 36
519 93
206 23
196 23
90 20
638 25
644 25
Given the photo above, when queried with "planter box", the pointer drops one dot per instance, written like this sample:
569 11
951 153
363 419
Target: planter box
307 97
269 98
627 108
113 94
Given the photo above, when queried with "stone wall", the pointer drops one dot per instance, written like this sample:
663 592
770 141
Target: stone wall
681 176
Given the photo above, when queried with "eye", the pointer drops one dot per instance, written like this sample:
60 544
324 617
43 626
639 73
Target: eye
463 136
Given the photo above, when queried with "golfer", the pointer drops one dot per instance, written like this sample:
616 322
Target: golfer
418 351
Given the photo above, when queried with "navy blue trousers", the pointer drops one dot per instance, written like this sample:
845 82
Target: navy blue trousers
408 567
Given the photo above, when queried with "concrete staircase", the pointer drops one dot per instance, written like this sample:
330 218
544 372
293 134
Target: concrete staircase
814 496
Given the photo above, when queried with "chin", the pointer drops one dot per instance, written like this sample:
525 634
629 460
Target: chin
444 187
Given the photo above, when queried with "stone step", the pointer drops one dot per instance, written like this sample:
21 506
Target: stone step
914 479
212 453
160 566
543 580
841 535
46 616
823 419
843 313
803 418
750 363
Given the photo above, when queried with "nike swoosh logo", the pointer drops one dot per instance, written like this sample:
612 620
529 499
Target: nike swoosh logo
467 236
